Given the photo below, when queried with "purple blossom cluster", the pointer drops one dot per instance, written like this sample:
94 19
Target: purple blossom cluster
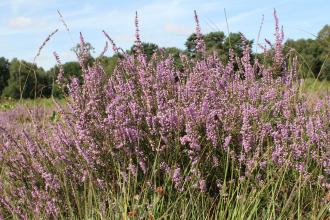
188 120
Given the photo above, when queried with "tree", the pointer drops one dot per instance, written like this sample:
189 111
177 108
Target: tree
109 63
4 73
234 41
26 80
219 43
313 54
325 70
78 51
191 44
175 53
213 42
71 69
88 46
147 48
323 37
309 54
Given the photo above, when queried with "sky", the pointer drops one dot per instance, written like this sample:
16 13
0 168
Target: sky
25 24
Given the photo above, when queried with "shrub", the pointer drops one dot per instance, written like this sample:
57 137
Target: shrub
201 128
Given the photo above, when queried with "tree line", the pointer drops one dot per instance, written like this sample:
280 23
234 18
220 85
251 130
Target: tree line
313 54
21 79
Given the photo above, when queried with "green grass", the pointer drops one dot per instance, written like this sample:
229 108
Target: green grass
311 85
7 104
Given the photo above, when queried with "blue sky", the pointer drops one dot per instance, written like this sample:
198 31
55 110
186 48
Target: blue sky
24 24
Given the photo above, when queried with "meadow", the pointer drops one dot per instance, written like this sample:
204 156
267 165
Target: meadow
208 139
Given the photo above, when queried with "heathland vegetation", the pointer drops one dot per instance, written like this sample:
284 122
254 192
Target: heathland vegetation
212 132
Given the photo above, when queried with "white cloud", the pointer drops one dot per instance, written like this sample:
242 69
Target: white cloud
177 29
20 22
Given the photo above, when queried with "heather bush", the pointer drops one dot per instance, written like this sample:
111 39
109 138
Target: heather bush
238 136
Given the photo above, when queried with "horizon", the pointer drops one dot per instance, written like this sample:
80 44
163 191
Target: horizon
167 24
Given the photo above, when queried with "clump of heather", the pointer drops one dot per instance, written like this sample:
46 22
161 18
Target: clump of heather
199 126
22 116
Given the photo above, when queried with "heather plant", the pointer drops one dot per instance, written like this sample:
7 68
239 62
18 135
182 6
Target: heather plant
233 140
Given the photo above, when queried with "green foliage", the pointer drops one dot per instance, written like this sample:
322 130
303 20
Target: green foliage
88 46
148 49
219 43
109 63
234 41
26 80
175 53
309 53
313 54
191 44
71 69
215 40
313 87
323 37
4 73
6 104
